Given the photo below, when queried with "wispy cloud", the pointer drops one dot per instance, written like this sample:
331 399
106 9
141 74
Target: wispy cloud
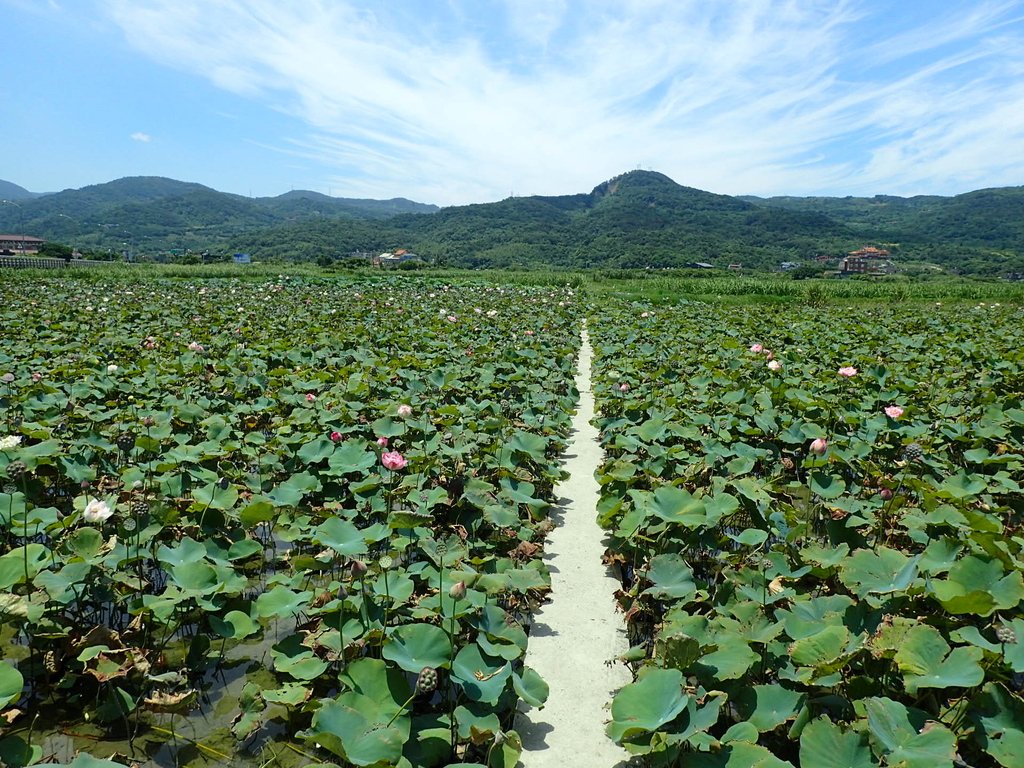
452 103
145 138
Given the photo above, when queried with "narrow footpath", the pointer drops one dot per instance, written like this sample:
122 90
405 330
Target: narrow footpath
575 634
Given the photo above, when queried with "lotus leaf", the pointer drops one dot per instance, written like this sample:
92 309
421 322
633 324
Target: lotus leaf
826 745
927 661
978 585
647 705
902 737
415 646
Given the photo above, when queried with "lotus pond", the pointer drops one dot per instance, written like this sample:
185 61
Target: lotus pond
274 522
818 517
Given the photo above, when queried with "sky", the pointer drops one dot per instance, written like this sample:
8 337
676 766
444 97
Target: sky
462 101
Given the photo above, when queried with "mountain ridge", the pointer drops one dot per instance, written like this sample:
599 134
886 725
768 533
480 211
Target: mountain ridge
635 219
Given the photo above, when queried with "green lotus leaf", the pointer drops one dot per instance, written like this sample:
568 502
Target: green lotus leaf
316 450
999 718
415 646
962 485
899 736
15 752
528 444
351 732
198 577
739 754
342 536
351 456
281 602
388 427
827 486
483 678
235 625
212 496
293 658
825 745
767 706
530 687
11 683
256 512
676 505
978 585
821 648
645 706
34 557
926 661
878 572
671 577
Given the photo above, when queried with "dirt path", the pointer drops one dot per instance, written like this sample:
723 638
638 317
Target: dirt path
578 631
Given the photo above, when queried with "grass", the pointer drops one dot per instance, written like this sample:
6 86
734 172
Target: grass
659 287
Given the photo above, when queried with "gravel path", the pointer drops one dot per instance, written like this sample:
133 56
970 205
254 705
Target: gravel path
575 634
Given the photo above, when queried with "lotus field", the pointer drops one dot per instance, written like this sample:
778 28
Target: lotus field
817 514
274 522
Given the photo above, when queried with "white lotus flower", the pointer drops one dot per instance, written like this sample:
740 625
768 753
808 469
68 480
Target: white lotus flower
111 368
9 442
96 511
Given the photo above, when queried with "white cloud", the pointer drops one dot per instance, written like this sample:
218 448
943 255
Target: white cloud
145 138
759 97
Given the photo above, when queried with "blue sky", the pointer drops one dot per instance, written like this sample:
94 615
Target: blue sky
463 101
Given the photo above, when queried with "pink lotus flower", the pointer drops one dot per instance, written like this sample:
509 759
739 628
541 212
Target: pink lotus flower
405 411
847 371
382 442
528 333
393 460
195 346
310 397
757 348
335 437
819 446
893 411
624 387
452 319
774 365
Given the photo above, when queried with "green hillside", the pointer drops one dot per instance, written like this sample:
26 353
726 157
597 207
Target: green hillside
635 220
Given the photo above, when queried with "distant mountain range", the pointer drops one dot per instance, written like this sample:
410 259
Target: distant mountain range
638 219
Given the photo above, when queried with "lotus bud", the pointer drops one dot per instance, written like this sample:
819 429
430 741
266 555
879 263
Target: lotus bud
885 493
819 446
358 569
458 590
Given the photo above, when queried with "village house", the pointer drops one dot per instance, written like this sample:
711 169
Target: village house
11 244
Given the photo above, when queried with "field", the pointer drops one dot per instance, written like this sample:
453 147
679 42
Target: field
299 520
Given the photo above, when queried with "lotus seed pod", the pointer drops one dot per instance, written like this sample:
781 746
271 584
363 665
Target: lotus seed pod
16 470
1006 635
426 681
385 562
442 548
126 441
913 452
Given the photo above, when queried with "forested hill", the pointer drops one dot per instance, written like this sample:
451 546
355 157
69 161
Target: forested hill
637 219
153 214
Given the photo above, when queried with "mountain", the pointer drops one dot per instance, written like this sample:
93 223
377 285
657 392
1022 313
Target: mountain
11 191
978 232
638 219
151 214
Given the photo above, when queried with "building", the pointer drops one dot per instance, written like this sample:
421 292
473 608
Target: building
11 244
242 258
394 259
870 252
862 265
